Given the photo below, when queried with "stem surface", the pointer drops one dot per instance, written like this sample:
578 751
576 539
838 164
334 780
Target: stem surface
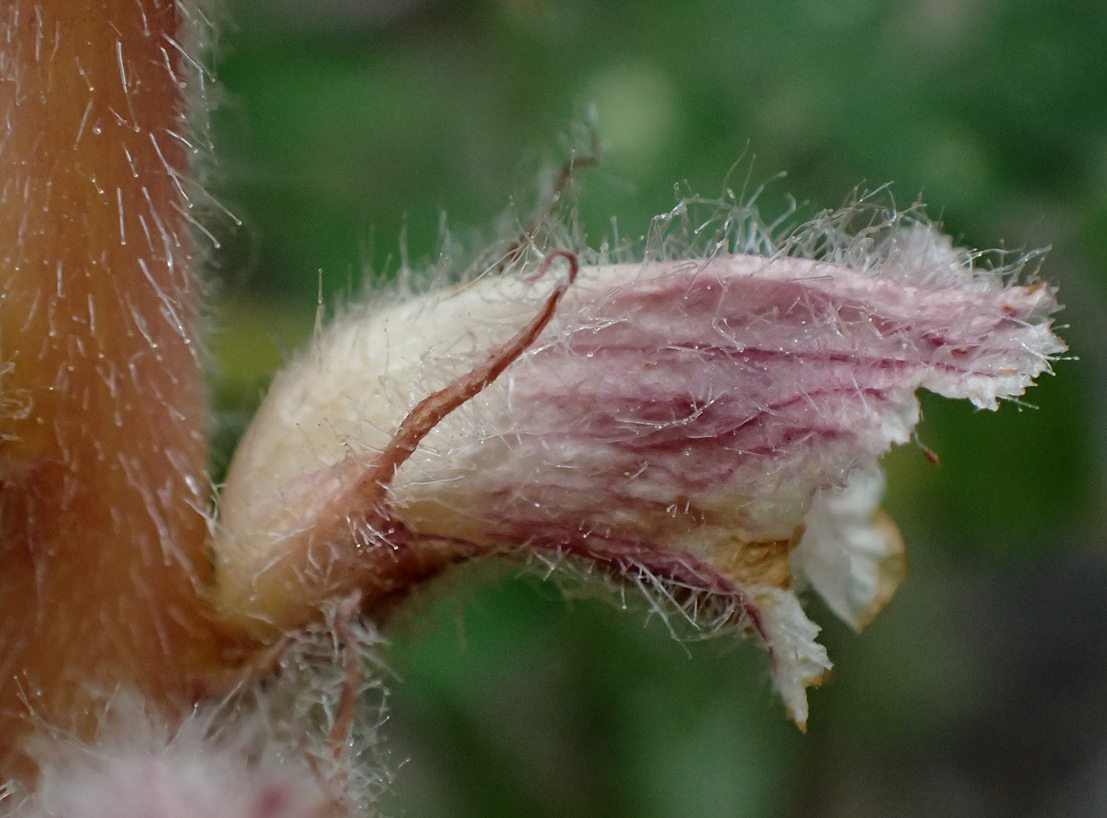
103 443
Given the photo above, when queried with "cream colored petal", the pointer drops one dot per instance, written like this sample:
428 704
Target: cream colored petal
851 552
798 661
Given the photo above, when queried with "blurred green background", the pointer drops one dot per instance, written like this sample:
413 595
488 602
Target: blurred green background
346 128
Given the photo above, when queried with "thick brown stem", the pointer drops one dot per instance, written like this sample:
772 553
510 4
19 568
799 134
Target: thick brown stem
102 421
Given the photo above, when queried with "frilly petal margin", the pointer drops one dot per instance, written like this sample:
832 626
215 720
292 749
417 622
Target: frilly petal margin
714 421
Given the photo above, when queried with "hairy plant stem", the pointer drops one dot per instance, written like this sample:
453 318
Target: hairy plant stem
103 440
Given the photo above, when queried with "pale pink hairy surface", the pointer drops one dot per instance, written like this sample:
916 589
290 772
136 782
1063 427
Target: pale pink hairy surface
678 417
284 749
138 767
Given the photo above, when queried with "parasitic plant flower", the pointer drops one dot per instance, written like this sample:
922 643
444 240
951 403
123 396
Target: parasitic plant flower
705 424
708 426
139 768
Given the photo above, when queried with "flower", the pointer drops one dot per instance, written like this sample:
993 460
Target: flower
707 423
138 767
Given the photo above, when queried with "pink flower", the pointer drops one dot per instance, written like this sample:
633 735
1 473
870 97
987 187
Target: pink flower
709 427
140 768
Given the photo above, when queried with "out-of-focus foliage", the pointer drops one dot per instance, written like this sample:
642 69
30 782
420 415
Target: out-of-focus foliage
346 129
